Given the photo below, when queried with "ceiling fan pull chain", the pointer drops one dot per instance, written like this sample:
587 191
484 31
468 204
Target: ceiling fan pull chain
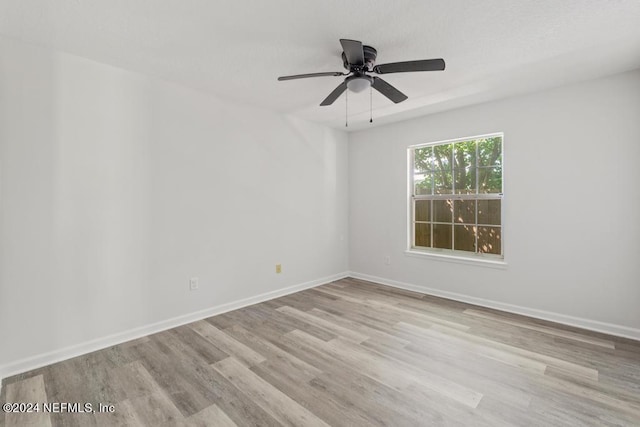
370 104
346 109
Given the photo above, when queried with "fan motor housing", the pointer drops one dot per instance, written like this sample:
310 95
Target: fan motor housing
370 55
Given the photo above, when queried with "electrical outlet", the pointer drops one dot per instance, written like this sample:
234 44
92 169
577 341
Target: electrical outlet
278 268
387 260
194 283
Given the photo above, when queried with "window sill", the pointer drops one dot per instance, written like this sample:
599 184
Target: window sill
469 260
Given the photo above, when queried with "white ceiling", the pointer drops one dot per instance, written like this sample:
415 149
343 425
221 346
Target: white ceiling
237 48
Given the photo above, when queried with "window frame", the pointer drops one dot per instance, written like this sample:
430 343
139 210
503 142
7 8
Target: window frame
444 253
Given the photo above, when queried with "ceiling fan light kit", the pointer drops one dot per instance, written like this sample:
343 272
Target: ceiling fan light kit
359 60
358 82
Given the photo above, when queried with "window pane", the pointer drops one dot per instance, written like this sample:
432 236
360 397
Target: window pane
464 154
442 182
489 240
489 180
464 211
442 157
489 212
422 237
423 183
465 238
465 180
423 210
442 210
490 152
442 236
423 159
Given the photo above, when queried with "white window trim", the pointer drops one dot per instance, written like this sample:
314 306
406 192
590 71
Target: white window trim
460 257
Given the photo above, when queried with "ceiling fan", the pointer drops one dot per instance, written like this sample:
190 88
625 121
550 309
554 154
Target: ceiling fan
360 60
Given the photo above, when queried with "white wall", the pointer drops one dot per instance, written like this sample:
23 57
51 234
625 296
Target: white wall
116 188
572 202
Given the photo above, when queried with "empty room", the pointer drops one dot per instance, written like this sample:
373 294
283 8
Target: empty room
322 213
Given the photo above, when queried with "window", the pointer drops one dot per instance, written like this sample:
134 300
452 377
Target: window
456 197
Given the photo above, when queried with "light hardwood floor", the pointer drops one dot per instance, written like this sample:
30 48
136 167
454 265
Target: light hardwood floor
350 353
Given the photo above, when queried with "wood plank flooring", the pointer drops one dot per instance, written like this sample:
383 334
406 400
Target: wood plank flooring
350 353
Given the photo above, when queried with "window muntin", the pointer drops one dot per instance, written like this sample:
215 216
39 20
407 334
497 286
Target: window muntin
456 196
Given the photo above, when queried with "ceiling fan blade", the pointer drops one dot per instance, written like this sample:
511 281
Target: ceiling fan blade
335 94
408 66
387 90
304 76
353 51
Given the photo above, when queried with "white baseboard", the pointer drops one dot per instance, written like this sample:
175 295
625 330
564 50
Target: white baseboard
37 361
592 325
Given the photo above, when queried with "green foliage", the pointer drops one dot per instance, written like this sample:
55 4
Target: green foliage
472 166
